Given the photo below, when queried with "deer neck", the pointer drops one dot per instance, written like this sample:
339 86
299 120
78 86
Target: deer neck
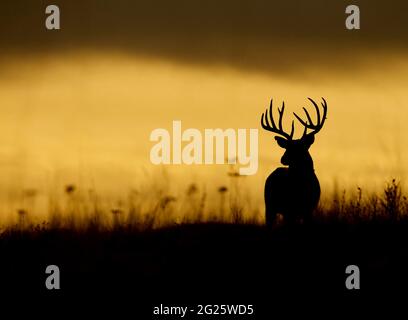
304 167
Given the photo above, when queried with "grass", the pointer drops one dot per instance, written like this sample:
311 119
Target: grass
84 210
120 249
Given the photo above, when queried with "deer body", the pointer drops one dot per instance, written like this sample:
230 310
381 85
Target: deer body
293 191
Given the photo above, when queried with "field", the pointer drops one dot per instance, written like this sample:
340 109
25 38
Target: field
229 260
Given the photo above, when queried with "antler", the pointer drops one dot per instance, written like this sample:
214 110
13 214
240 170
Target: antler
320 121
278 130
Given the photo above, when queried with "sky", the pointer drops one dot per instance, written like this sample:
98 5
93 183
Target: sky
78 105
262 35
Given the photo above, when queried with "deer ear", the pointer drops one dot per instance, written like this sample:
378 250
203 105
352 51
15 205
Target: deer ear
282 142
308 140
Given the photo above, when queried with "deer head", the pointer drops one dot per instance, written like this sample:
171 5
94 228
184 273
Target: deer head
297 151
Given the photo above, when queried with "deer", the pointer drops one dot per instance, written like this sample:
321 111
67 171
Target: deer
294 190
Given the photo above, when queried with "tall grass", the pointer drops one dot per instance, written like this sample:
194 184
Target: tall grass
390 205
150 209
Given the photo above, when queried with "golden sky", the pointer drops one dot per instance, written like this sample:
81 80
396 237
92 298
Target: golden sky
78 105
95 111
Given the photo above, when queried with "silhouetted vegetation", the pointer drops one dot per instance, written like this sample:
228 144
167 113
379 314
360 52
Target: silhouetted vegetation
131 248
84 210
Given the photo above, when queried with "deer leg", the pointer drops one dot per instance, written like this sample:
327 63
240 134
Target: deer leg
270 215
290 219
308 217
270 218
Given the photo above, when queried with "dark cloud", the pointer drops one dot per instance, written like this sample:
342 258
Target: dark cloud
259 34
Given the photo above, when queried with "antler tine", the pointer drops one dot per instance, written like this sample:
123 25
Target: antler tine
271 126
300 120
267 125
320 120
309 125
292 131
304 131
264 120
309 118
317 111
271 114
281 115
324 105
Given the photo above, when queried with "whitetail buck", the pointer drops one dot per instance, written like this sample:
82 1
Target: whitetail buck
293 191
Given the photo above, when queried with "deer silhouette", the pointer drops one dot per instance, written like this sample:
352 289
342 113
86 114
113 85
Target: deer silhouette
293 191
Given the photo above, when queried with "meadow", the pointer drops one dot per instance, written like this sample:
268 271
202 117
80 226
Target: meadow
195 249
156 207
